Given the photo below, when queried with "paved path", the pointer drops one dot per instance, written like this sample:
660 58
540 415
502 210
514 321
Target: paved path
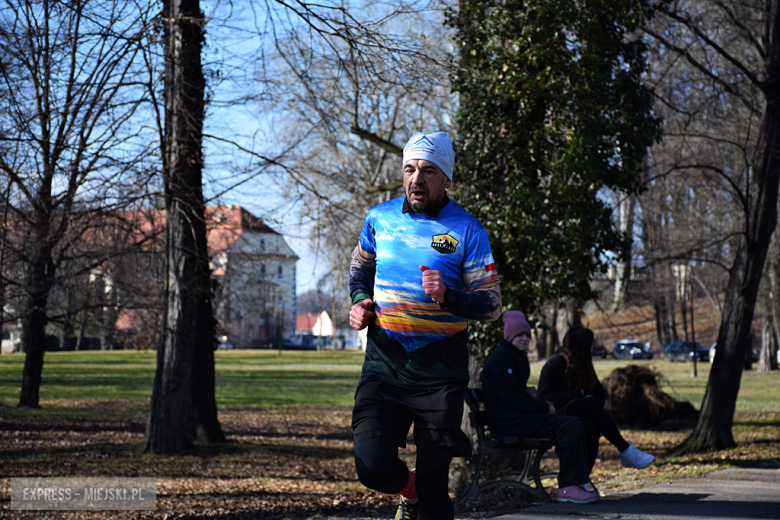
746 493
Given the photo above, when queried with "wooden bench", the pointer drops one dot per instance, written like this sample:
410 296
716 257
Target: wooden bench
529 478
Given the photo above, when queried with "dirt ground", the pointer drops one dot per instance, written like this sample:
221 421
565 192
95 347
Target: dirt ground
275 465
294 464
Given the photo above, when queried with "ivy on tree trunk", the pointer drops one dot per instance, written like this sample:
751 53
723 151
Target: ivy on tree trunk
183 404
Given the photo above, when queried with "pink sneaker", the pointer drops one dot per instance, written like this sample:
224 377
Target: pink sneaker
577 495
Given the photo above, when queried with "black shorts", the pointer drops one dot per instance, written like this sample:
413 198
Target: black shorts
384 410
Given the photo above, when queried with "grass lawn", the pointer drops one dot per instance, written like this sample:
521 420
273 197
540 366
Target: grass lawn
243 377
287 417
294 378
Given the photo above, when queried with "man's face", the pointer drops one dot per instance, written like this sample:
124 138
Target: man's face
424 184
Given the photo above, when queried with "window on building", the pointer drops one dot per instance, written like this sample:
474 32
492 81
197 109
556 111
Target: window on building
262 271
279 271
262 244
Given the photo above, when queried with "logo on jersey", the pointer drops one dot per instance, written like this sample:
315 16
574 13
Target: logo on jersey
444 244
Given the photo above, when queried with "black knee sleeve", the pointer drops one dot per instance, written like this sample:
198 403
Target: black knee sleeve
378 466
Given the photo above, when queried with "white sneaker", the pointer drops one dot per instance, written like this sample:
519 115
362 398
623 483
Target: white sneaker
633 458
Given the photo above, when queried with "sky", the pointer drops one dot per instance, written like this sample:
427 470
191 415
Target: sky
233 56
229 75
262 194
264 197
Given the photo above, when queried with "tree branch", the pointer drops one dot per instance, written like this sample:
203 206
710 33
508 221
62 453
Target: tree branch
694 28
371 137
704 70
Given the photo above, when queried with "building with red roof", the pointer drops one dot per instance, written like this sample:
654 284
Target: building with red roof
110 286
253 267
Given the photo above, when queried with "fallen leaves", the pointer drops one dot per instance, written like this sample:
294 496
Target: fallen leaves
294 463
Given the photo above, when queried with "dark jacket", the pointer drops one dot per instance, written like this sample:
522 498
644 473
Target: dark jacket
510 408
554 387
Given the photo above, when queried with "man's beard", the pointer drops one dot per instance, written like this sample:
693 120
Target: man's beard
418 206
423 207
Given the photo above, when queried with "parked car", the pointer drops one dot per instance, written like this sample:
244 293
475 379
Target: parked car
683 351
598 350
631 349
755 354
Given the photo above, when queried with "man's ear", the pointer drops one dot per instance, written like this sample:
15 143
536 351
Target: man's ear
448 183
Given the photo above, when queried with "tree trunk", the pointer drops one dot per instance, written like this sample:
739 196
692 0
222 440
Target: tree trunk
747 363
66 326
203 374
626 212
40 276
547 342
107 296
666 327
659 329
684 310
66 332
183 404
767 360
82 330
573 314
714 428
775 312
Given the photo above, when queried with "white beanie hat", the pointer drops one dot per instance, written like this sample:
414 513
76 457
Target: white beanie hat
436 148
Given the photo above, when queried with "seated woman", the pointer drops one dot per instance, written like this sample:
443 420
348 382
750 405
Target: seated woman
512 411
569 381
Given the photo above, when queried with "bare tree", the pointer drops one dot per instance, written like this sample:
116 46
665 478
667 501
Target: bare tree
110 269
69 135
335 82
731 56
625 225
291 29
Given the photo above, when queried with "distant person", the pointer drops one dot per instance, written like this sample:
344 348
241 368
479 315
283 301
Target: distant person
513 412
569 381
422 269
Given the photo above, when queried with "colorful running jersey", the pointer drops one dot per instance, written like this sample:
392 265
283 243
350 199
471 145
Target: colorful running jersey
397 243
